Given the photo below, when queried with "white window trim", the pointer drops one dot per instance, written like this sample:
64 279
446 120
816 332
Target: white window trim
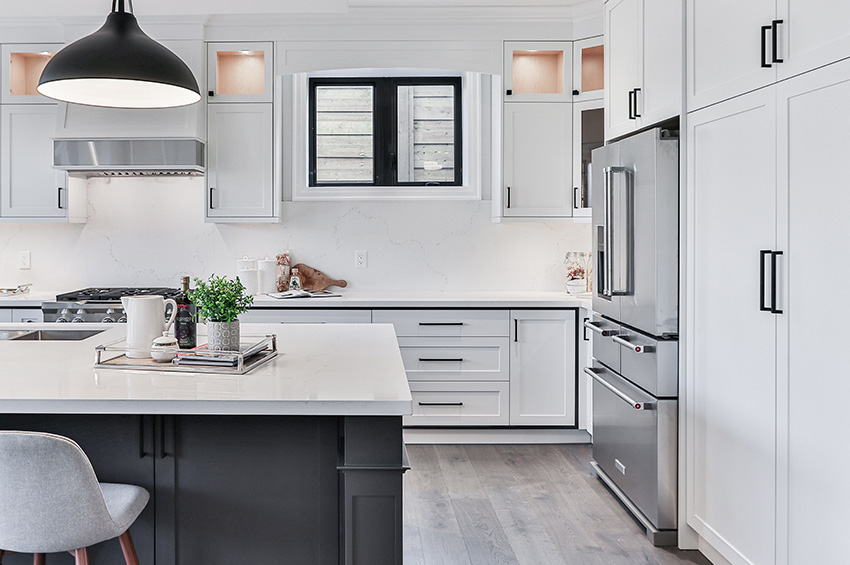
472 125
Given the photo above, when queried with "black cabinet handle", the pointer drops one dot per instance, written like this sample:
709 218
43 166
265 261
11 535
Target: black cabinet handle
773 308
441 404
516 330
584 330
440 323
211 93
59 198
509 197
576 92
211 198
762 254
774 27
636 102
509 92
764 63
575 198
441 360
631 105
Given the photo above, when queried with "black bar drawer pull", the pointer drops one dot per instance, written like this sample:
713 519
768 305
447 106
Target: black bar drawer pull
441 360
440 323
59 198
211 198
441 404
764 63
775 33
509 197
576 198
636 103
762 254
631 105
773 308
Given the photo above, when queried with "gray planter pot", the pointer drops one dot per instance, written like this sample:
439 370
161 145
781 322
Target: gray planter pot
223 336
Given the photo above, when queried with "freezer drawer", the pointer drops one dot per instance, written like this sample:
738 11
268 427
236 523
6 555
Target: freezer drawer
636 448
604 347
650 363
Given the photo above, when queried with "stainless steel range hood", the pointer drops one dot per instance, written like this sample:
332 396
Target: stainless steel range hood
129 157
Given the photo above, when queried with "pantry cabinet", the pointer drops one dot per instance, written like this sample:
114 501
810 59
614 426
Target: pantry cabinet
765 41
240 163
762 411
643 71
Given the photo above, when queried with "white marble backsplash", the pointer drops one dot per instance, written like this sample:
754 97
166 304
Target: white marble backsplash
150 231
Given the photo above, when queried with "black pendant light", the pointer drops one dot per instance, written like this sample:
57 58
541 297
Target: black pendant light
119 66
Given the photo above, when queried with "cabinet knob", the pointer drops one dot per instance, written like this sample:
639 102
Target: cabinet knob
576 92
509 92
211 93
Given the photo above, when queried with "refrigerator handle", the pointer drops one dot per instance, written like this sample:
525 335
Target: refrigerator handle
604 283
620 229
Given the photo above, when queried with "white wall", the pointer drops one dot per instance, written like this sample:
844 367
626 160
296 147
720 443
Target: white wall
150 231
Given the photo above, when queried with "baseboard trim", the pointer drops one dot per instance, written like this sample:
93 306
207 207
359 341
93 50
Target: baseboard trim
494 436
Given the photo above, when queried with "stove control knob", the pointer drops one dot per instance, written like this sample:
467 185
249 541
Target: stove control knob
108 320
62 319
79 317
63 316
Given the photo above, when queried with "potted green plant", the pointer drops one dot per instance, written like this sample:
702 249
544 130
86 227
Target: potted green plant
220 301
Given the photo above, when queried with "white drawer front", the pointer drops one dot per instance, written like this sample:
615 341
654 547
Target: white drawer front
307 316
458 404
455 358
478 323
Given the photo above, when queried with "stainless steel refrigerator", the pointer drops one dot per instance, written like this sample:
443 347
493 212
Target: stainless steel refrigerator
635 185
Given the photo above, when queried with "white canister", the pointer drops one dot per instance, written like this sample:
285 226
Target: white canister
248 278
267 275
245 263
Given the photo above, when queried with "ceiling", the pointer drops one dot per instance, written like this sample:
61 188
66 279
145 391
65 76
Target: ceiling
64 8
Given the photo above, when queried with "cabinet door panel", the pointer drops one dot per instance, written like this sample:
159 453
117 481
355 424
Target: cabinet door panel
724 49
28 181
814 33
623 21
732 344
538 146
239 164
537 71
660 97
813 124
543 368
240 72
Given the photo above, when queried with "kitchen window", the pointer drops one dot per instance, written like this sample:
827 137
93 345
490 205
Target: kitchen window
385 132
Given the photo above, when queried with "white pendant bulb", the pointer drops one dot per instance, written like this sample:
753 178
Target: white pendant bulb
119 66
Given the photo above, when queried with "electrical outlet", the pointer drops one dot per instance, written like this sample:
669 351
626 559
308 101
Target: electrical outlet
361 259
24 260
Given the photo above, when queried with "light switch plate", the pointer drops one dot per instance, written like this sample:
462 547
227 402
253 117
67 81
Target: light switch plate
24 260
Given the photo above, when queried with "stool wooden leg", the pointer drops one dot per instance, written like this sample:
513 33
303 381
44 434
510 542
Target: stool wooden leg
38 559
128 548
81 556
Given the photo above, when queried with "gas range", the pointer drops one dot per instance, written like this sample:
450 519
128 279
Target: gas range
97 304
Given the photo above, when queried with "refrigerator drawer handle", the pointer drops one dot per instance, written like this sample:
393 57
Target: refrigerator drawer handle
635 347
601 331
636 404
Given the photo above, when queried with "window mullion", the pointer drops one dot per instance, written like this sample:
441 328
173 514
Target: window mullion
385 152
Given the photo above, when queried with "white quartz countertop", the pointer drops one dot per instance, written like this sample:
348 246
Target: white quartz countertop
328 369
32 299
430 299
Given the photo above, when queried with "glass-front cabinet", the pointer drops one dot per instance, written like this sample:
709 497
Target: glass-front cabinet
588 69
240 72
588 134
21 67
538 71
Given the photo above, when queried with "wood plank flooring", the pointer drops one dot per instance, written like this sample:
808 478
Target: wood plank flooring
521 505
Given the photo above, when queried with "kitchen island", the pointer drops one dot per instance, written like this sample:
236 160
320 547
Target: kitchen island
298 461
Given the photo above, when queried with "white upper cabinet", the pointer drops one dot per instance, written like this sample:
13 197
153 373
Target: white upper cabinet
588 134
643 66
537 160
240 163
29 185
240 72
735 47
538 71
729 49
813 33
21 67
588 69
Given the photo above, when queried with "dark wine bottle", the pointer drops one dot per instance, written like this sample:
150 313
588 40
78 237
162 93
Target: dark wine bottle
185 327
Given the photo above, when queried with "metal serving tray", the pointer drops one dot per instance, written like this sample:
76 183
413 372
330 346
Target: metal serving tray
255 351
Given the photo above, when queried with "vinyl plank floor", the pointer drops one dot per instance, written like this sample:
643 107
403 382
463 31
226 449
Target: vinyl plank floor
519 505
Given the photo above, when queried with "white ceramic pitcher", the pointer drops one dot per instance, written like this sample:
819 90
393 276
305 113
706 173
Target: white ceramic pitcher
146 322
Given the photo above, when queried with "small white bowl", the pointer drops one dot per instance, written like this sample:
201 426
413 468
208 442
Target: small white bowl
164 348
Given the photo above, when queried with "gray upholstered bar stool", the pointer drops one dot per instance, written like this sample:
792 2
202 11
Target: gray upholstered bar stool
50 500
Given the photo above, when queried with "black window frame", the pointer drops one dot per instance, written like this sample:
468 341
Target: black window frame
385 127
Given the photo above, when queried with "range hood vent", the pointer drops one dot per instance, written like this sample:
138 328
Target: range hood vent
129 157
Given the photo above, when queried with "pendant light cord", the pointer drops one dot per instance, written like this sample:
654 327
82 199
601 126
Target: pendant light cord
118 6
